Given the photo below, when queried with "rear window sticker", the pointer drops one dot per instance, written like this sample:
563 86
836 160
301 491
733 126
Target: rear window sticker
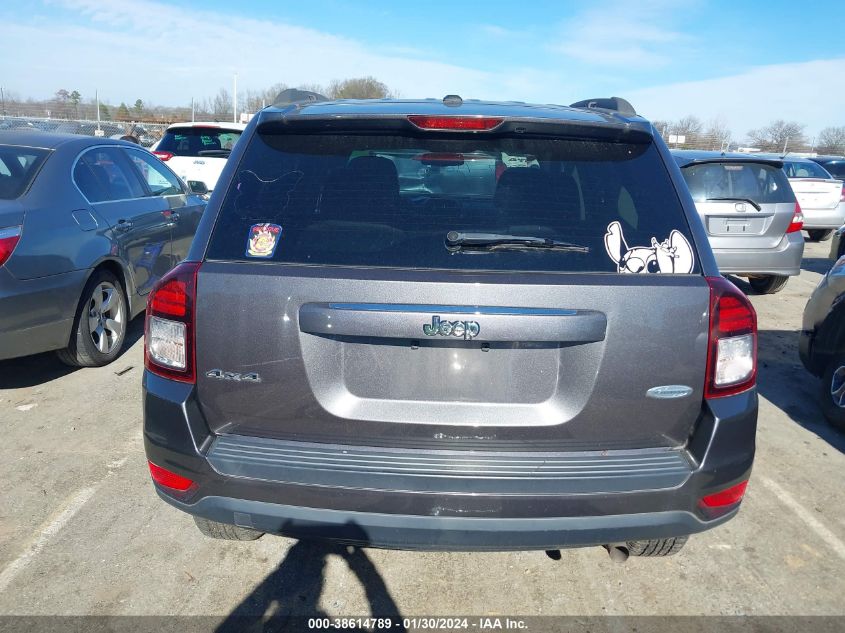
262 240
672 255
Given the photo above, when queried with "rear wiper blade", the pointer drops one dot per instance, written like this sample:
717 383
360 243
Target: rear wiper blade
456 240
748 200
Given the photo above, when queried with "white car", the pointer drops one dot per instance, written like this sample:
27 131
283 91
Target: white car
198 151
819 194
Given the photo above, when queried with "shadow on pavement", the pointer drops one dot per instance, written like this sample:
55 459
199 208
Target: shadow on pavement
817 264
289 596
783 381
31 371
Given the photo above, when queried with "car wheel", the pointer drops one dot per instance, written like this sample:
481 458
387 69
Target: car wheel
99 326
833 393
768 284
819 235
225 531
657 547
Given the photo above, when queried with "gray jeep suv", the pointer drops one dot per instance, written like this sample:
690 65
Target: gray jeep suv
453 325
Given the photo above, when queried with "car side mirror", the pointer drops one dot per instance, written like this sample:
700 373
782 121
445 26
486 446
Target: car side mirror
198 187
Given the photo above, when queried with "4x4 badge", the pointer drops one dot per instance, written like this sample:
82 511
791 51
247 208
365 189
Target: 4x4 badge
461 329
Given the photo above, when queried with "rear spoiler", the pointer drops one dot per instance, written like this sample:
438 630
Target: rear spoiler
614 104
772 162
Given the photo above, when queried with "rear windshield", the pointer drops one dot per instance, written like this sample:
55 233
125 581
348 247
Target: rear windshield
390 201
198 141
801 169
764 184
18 166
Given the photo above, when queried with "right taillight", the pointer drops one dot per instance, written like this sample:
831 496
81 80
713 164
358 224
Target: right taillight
9 238
842 195
169 331
797 220
163 156
732 348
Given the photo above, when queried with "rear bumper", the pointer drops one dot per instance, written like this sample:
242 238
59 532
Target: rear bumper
36 315
824 218
783 260
272 490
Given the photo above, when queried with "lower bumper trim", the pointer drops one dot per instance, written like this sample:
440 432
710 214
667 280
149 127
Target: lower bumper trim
445 533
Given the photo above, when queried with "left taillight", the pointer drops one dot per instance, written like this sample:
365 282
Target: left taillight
169 336
9 238
163 156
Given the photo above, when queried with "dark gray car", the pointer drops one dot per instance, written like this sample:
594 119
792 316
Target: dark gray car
822 342
87 226
451 325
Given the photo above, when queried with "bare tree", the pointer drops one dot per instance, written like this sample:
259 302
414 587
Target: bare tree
689 127
778 136
718 134
831 141
359 88
221 105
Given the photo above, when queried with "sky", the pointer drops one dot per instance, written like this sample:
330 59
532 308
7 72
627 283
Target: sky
745 62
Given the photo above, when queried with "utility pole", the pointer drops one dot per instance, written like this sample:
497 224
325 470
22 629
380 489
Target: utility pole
192 109
235 101
97 97
3 99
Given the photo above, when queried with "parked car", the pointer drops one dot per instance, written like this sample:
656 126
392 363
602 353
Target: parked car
87 226
527 356
819 194
750 214
198 151
837 243
822 342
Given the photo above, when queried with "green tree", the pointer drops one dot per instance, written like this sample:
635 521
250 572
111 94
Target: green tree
139 108
75 97
105 114
122 112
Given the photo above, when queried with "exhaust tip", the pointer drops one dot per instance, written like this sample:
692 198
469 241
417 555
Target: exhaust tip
618 552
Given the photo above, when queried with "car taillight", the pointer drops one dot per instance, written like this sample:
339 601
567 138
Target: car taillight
164 156
169 479
797 220
169 349
9 238
468 123
842 195
732 348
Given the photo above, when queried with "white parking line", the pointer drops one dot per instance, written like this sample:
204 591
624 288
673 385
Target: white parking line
805 515
51 529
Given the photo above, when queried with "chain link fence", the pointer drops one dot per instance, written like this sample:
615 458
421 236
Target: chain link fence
146 134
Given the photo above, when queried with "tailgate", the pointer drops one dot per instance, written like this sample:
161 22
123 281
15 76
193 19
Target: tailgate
560 364
198 168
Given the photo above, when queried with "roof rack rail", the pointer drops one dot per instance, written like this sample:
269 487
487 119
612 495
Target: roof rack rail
294 95
616 104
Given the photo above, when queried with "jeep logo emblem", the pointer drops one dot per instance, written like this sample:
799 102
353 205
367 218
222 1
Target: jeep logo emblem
461 329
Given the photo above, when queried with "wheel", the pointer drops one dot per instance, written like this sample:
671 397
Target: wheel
99 326
832 398
225 531
657 547
819 235
768 284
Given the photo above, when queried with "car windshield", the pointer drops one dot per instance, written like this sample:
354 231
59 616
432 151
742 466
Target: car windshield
18 167
192 141
758 182
801 169
391 200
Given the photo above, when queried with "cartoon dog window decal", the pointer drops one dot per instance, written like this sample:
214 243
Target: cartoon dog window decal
673 255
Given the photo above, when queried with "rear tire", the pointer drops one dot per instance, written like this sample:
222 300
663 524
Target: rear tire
832 396
768 284
657 547
819 235
225 531
99 325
